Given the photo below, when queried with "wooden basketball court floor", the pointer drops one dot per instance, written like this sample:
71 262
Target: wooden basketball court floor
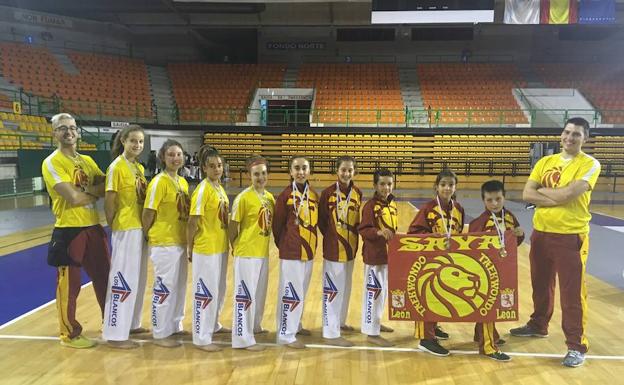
31 353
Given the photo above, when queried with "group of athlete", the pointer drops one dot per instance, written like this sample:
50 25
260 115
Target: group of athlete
162 221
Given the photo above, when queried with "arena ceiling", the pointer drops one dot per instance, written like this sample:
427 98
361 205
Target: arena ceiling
140 15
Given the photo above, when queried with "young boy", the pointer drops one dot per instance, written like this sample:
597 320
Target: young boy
378 226
495 218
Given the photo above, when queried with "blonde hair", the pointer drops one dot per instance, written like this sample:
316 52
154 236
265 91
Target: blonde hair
58 117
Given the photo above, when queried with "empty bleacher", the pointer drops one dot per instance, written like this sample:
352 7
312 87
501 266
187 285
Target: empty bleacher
354 93
414 158
18 131
219 92
471 93
24 131
602 84
105 85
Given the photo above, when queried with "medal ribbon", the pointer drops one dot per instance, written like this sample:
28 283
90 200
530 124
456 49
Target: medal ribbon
304 196
342 214
500 228
447 226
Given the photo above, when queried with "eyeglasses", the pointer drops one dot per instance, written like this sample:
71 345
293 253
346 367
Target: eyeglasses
66 128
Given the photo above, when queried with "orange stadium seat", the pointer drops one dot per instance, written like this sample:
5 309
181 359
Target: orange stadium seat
219 92
475 93
102 85
354 93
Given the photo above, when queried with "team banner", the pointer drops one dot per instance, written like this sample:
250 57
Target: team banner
469 278
597 11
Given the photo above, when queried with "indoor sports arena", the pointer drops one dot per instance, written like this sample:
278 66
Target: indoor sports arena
306 191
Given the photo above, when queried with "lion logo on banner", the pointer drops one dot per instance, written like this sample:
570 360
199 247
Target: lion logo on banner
453 285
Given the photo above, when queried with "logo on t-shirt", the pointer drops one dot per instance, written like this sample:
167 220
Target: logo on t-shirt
223 214
183 202
551 177
265 218
140 185
80 177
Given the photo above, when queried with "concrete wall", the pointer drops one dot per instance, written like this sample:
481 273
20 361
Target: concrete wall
76 34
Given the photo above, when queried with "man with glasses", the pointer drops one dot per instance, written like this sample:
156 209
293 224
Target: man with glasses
75 183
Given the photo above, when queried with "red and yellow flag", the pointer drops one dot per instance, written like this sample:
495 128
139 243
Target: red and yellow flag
472 280
559 12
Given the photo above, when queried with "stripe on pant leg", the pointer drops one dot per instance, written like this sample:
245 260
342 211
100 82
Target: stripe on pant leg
584 252
62 300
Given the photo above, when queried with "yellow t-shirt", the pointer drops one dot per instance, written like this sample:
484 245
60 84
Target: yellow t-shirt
58 168
554 171
255 216
128 181
211 205
170 199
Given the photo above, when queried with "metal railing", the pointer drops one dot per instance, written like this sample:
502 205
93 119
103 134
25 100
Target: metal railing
407 117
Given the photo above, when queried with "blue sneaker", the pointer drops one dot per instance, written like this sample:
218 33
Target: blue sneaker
573 359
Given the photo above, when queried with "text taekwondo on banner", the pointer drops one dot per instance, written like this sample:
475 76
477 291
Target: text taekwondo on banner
597 11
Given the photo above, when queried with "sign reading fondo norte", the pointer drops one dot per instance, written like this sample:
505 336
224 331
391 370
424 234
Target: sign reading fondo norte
471 281
295 45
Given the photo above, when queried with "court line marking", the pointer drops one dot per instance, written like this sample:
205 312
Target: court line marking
321 346
607 215
19 318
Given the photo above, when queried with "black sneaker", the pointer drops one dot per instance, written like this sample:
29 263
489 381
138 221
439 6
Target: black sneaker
499 356
501 342
433 347
441 334
526 331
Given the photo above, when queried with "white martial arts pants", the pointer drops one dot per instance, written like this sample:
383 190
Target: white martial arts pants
250 287
209 274
374 297
170 271
126 285
337 277
293 287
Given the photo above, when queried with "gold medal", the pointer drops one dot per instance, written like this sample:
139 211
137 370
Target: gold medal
447 243
306 223
503 252
297 221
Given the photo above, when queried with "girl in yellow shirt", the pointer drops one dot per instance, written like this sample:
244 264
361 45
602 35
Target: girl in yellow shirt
207 248
250 234
165 215
125 194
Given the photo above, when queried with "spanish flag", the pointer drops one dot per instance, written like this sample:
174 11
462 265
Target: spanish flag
559 12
